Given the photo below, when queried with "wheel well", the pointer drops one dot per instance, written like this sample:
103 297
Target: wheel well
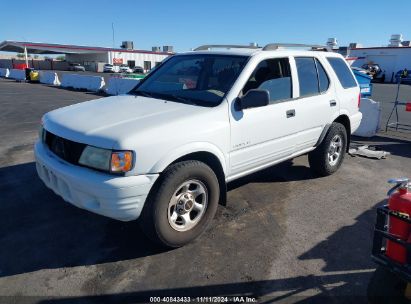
345 121
214 163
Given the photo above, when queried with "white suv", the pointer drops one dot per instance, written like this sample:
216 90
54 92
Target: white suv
165 152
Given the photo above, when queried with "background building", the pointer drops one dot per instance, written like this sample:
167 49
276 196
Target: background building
93 58
392 58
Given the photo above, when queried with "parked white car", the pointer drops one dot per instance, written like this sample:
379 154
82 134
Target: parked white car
76 67
125 69
198 121
109 68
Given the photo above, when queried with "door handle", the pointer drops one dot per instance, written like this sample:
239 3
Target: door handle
290 113
333 103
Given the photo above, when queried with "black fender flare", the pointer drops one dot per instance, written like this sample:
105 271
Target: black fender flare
322 136
324 133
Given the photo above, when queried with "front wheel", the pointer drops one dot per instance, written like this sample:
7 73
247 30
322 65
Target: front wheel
181 205
328 156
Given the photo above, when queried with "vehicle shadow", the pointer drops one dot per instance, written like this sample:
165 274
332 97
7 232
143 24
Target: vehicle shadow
348 248
40 225
38 230
344 279
284 172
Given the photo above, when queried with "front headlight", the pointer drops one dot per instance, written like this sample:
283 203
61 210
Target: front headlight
96 158
107 160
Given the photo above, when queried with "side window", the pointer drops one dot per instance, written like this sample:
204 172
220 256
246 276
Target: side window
323 80
342 71
273 75
307 76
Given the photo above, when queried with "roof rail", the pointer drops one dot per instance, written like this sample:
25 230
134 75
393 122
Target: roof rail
314 47
225 46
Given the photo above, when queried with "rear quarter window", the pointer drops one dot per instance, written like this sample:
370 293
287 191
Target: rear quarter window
307 76
342 71
323 80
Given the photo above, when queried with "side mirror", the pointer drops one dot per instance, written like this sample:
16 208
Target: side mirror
253 99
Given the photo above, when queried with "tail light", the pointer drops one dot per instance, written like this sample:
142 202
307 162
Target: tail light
359 100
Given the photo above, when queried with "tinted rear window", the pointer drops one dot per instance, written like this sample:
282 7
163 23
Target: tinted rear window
343 72
307 76
323 80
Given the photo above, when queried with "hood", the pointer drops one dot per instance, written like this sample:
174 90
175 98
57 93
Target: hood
105 122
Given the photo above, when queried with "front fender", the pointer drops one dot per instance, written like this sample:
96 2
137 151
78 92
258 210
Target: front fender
184 150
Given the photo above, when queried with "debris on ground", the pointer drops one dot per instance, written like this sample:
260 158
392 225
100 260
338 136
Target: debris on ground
369 152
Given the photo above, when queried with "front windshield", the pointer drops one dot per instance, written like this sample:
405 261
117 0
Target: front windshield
200 79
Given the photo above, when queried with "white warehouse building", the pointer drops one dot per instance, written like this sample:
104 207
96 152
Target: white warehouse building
93 58
392 58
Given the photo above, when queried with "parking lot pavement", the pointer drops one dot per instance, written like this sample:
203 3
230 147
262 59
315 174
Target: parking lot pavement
285 235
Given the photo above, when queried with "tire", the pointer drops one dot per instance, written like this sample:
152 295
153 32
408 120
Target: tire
386 288
171 216
319 159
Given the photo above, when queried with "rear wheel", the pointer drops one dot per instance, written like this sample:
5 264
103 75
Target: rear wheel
181 205
328 156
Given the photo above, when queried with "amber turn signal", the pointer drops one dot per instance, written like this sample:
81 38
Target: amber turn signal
121 161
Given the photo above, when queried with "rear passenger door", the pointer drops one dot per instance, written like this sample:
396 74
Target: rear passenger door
346 87
316 103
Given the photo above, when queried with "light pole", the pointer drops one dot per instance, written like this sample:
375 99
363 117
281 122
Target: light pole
25 57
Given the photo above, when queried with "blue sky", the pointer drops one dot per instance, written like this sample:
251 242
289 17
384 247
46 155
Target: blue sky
186 24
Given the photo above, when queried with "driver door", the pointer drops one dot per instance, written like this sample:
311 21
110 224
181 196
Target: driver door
263 135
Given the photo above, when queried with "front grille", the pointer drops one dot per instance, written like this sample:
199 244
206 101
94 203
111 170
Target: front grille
66 149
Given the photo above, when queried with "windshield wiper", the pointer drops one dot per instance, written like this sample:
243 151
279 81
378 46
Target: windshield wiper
143 93
171 97
184 99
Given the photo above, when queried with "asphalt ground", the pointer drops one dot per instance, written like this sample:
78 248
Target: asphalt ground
285 236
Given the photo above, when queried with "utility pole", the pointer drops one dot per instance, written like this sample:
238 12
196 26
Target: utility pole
25 57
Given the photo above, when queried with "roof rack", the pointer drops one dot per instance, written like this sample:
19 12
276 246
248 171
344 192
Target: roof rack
268 47
314 47
225 46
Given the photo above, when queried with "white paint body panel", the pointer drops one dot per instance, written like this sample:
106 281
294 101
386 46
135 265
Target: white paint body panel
159 131
152 128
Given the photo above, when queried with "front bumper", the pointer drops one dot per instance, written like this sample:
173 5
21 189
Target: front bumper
118 197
